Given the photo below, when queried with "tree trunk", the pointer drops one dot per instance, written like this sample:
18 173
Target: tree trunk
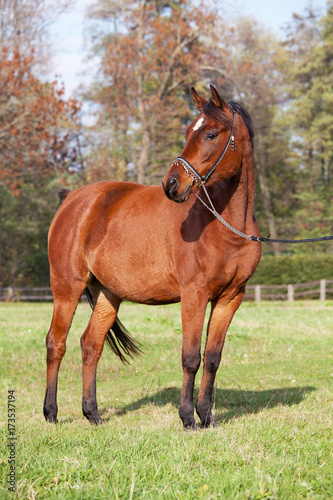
145 140
261 169
143 158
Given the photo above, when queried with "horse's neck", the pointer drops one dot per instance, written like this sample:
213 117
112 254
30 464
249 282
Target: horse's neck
239 192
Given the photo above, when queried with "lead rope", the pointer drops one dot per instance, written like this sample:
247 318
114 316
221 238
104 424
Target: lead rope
247 236
218 216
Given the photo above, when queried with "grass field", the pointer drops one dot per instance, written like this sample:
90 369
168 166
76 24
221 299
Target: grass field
272 403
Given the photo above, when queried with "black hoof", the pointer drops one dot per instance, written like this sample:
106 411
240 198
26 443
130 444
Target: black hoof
205 425
95 420
191 427
50 414
52 420
91 413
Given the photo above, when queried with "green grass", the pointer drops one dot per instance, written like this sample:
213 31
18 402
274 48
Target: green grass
272 403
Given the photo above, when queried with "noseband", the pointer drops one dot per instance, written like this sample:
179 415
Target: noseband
191 171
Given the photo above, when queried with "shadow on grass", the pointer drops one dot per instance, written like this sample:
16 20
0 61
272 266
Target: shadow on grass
228 403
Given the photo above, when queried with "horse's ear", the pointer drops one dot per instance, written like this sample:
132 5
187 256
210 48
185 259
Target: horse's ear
198 100
217 99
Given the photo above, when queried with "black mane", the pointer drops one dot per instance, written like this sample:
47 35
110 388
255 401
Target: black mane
211 110
245 117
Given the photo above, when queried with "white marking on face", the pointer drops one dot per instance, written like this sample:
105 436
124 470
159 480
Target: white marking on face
198 124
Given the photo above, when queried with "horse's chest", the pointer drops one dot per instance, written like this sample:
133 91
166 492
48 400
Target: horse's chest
216 270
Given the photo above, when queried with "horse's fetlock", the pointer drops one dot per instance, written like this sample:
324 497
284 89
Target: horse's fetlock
90 411
187 416
204 411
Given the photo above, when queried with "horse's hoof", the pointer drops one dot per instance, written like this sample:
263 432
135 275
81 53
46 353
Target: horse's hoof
93 417
50 414
205 425
204 412
51 420
95 421
191 426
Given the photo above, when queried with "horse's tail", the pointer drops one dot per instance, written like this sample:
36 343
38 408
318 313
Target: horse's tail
119 339
63 193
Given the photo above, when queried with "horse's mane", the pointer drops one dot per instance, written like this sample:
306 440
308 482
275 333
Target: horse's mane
245 117
211 110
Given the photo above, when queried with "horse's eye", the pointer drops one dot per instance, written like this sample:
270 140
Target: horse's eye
210 137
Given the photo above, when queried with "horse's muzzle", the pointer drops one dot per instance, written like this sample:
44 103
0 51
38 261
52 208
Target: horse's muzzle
171 190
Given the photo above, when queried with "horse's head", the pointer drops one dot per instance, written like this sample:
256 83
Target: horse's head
215 142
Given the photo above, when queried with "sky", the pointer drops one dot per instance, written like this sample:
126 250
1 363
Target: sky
69 41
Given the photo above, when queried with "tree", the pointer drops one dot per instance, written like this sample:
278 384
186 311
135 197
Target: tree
38 130
252 73
310 48
311 92
24 225
151 52
24 27
34 124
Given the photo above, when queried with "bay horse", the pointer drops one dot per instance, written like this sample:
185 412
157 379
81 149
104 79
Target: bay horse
126 241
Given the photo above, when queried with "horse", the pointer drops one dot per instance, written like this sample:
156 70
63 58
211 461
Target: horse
159 245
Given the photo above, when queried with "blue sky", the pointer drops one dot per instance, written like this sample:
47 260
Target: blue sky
276 13
69 41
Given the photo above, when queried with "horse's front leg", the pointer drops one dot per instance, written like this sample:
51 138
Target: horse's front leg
193 308
220 318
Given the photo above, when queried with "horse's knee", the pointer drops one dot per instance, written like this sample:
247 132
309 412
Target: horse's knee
191 362
212 361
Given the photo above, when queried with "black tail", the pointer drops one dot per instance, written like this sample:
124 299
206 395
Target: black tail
120 340
63 193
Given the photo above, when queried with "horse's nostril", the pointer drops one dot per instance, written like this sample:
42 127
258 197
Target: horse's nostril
173 185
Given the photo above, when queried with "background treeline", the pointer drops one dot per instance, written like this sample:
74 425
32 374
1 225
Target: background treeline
149 53
292 269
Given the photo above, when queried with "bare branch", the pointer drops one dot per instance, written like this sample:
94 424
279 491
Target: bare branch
178 49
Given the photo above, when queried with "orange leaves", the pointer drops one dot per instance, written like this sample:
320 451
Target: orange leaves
30 116
147 67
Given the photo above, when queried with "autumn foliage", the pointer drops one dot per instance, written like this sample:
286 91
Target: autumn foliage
34 123
147 68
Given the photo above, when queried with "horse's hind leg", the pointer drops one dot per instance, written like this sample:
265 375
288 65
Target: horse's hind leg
193 308
105 311
220 319
63 312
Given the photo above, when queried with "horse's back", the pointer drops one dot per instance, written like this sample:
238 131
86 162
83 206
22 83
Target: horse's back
79 211
89 204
